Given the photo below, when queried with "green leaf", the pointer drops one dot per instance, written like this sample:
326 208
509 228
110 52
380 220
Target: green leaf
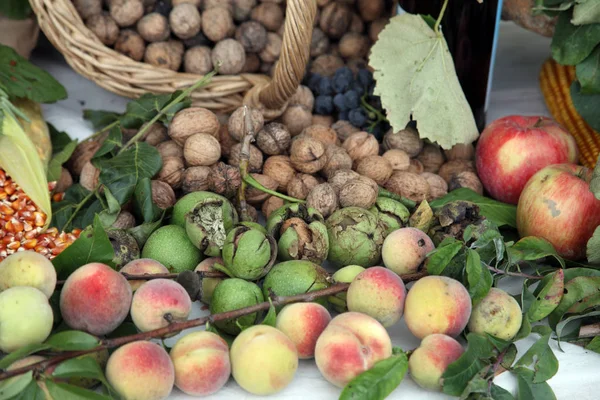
439 259
113 141
125 329
551 10
594 345
531 248
142 200
476 385
479 277
593 248
562 325
100 118
509 356
149 105
571 44
61 153
64 391
541 358
113 204
72 341
573 273
595 182
587 105
83 367
499 393
33 391
122 173
23 79
75 197
12 387
92 245
142 232
586 12
588 72
528 390
459 373
501 214
548 298
416 80
21 353
525 329
575 290
271 317
15 9
378 382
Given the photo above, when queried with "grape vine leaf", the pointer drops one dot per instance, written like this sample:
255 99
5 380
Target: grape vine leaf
588 73
416 80
586 12
587 105
571 44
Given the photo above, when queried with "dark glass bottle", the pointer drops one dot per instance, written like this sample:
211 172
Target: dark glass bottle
471 30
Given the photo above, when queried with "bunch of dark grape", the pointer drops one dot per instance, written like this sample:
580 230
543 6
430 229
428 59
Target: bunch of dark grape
349 97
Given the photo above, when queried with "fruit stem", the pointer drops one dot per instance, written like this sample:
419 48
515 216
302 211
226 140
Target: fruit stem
407 202
436 27
510 273
538 123
144 277
256 184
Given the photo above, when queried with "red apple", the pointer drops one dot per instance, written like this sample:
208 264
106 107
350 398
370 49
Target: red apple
511 149
558 205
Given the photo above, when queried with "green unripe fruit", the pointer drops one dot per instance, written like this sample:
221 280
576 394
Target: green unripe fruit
171 247
188 202
233 294
208 223
247 253
391 214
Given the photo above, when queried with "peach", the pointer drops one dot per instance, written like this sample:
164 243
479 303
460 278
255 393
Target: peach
344 275
201 361
143 266
209 284
498 314
25 318
437 304
379 293
263 360
158 302
405 249
28 268
141 370
23 362
95 298
350 345
303 323
430 360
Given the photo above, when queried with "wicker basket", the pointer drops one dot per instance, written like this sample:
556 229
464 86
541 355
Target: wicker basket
119 74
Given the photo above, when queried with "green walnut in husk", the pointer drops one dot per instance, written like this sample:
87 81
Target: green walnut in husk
355 237
233 294
391 213
300 233
254 225
189 201
247 253
208 223
125 246
452 219
290 278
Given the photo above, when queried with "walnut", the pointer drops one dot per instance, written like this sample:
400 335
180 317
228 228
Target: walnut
82 154
319 43
452 168
126 12
104 27
274 139
344 129
437 185
357 193
280 169
416 166
360 145
255 196
337 158
256 157
323 199
177 47
370 10
163 195
326 64
226 141
131 44
252 63
163 55
88 8
409 185
192 120
322 133
339 178
64 182
376 27
197 60
217 23
303 97
172 171
460 152
242 9
196 179
272 49
354 45
466 179
236 123
296 118
323 120
225 4
432 158
154 27
271 204
308 154
224 179
322 3
201 149
156 134
125 220
89 176
301 185
270 15
335 19
399 160
252 35
375 167
196 3
357 25
228 56
356 64
407 140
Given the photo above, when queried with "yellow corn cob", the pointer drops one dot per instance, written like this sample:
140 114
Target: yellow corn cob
555 82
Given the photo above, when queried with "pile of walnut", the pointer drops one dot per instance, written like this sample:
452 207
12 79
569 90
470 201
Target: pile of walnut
243 35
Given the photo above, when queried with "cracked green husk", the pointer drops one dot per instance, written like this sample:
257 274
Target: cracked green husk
208 223
391 213
247 253
233 294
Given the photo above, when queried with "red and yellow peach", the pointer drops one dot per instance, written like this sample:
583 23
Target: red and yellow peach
303 323
159 302
430 360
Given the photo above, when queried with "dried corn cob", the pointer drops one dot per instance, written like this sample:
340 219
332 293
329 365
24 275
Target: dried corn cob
555 82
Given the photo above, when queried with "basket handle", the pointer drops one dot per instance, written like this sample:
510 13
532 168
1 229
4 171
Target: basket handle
295 53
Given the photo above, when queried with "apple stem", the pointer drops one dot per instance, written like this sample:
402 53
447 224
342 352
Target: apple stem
538 123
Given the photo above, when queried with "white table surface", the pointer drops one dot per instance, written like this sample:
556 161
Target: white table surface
515 90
